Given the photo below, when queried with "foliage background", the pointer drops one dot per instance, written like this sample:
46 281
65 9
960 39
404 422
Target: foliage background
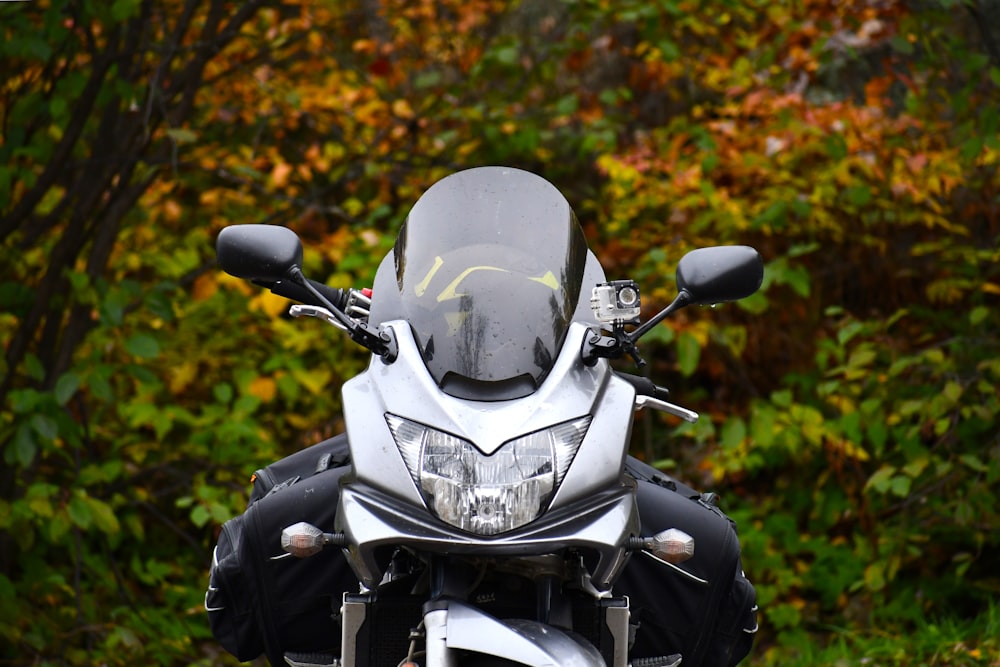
850 409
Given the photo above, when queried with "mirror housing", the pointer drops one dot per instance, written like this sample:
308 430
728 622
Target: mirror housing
721 273
263 253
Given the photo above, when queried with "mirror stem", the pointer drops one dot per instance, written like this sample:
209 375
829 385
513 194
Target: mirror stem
296 275
683 299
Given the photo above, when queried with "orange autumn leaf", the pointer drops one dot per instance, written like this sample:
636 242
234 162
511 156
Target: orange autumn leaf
264 388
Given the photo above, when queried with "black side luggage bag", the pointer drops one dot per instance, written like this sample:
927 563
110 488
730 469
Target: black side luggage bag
262 600
704 608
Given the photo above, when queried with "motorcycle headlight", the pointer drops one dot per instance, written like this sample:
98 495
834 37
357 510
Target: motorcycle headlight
487 495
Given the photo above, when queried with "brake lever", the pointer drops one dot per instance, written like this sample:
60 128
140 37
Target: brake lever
664 406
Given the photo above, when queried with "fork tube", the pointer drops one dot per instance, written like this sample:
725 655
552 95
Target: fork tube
435 629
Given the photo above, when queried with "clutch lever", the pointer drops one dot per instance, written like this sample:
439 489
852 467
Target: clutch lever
302 310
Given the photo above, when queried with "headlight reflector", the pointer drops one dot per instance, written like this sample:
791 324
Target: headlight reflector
487 495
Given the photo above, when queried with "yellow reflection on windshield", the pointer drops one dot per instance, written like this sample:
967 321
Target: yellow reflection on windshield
422 285
451 291
549 280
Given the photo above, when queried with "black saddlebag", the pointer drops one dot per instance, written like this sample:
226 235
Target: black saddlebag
260 601
705 608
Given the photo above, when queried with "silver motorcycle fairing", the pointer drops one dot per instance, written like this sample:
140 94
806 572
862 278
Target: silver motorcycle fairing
381 506
461 626
572 390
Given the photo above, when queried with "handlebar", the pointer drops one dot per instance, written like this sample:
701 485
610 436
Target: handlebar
290 290
645 386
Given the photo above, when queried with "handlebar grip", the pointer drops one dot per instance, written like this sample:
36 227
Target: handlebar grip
337 296
644 386
290 290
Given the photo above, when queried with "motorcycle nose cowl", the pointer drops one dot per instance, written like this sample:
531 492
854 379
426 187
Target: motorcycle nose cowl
376 523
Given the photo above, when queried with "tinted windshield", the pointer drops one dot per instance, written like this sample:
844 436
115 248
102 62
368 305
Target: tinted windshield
488 270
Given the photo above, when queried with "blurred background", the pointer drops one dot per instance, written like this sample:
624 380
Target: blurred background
849 409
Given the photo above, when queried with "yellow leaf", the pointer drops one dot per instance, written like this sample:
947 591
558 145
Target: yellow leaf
181 376
272 304
204 286
402 109
315 380
209 197
264 388
238 284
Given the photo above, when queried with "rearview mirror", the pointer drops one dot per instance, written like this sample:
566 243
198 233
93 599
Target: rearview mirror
262 253
718 274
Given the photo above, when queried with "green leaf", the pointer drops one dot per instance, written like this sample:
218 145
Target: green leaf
914 468
952 392
782 398
220 513
901 45
900 485
861 357
103 516
507 54
784 615
182 136
733 432
995 76
57 526
973 462
79 512
34 368
567 105
112 308
66 386
796 277
200 515
881 480
41 506
762 425
143 346
428 79
223 392
24 446
688 353
100 386
755 304
775 215
875 576
849 331
859 195
801 249
978 314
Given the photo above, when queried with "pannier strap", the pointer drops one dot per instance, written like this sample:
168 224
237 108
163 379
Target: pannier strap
331 460
312 660
284 485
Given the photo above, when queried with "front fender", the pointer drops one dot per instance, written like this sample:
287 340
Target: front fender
456 625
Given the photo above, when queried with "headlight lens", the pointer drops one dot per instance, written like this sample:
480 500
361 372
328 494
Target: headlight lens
483 494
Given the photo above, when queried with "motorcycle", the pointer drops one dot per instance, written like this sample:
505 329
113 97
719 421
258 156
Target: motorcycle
489 434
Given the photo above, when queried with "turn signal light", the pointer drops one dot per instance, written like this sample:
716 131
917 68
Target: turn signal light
304 539
672 545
